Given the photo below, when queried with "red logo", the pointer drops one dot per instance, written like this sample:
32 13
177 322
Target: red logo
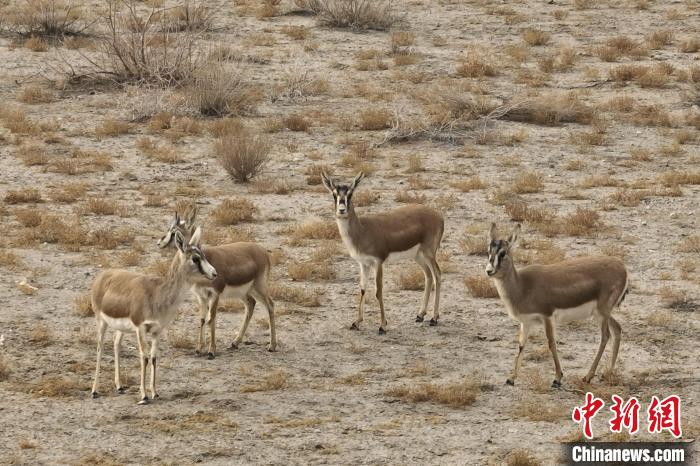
665 415
587 412
626 415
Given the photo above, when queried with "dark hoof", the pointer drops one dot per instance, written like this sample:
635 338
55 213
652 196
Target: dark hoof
144 401
419 318
382 331
210 355
433 322
556 384
510 382
234 346
121 390
95 395
197 352
354 326
271 349
156 396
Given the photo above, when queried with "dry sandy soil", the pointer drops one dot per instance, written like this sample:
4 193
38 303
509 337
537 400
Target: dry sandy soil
602 117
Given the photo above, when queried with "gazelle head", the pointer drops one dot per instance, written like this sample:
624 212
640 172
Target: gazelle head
184 226
499 251
342 194
193 259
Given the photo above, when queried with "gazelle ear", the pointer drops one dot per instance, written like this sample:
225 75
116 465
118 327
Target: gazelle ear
191 216
327 182
356 181
179 241
196 238
493 232
513 238
176 220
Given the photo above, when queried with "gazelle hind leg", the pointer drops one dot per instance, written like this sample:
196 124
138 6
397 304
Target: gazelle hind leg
437 281
616 330
203 309
364 281
523 334
154 356
428 275
141 339
263 296
101 329
249 307
212 304
604 319
117 376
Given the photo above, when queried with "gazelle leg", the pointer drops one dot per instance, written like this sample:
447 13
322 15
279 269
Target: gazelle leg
604 335
364 281
552 341
522 341
154 356
249 307
213 304
617 333
426 290
437 279
380 298
101 329
141 340
270 305
117 346
202 320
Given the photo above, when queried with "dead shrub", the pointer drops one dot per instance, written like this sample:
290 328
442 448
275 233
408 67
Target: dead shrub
47 18
233 211
455 395
529 182
480 287
242 154
296 122
192 16
375 119
217 91
535 37
476 65
550 109
581 222
627 47
356 14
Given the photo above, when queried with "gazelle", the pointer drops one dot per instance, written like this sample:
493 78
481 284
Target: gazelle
410 232
244 274
573 289
145 304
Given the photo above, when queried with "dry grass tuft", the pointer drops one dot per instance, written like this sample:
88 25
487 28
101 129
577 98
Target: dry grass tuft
375 119
314 229
455 395
112 127
690 244
233 211
217 91
40 335
581 222
411 279
242 154
47 18
23 196
689 45
83 305
33 94
522 457
551 109
480 286
355 14
58 387
297 295
5 370
529 182
275 380
9 259
476 65
535 37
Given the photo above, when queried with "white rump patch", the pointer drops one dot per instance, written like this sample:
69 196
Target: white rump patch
403 255
123 324
582 312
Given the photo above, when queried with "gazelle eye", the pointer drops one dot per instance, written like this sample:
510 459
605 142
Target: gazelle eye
501 254
195 259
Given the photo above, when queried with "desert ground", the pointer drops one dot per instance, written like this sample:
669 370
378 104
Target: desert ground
578 119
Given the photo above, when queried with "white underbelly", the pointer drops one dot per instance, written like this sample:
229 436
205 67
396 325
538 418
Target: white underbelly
123 324
403 255
237 292
582 312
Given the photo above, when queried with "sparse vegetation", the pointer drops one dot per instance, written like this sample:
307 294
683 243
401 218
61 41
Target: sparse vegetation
455 395
356 14
233 211
480 286
242 154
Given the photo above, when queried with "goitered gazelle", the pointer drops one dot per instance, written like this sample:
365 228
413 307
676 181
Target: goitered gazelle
410 232
573 289
145 304
244 274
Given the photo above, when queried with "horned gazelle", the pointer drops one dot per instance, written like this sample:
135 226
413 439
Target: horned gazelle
145 304
244 274
411 232
573 289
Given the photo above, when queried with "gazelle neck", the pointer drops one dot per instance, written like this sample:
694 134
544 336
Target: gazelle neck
173 290
508 286
349 226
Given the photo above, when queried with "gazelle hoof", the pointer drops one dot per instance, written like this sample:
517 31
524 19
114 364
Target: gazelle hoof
156 396
382 331
510 382
95 395
121 390
556 384
234 345
433 322
198 352
210 355
272 349
144 401
354 326
419 318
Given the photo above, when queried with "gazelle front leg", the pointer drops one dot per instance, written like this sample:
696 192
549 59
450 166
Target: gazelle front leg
604 335
552 341
101 329
437 278
141 339
522 341
213 305
249 308
202 300
426 290
380 286
364 281
154 356
117 377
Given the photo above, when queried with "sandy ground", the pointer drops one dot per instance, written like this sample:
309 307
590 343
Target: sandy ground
332 405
